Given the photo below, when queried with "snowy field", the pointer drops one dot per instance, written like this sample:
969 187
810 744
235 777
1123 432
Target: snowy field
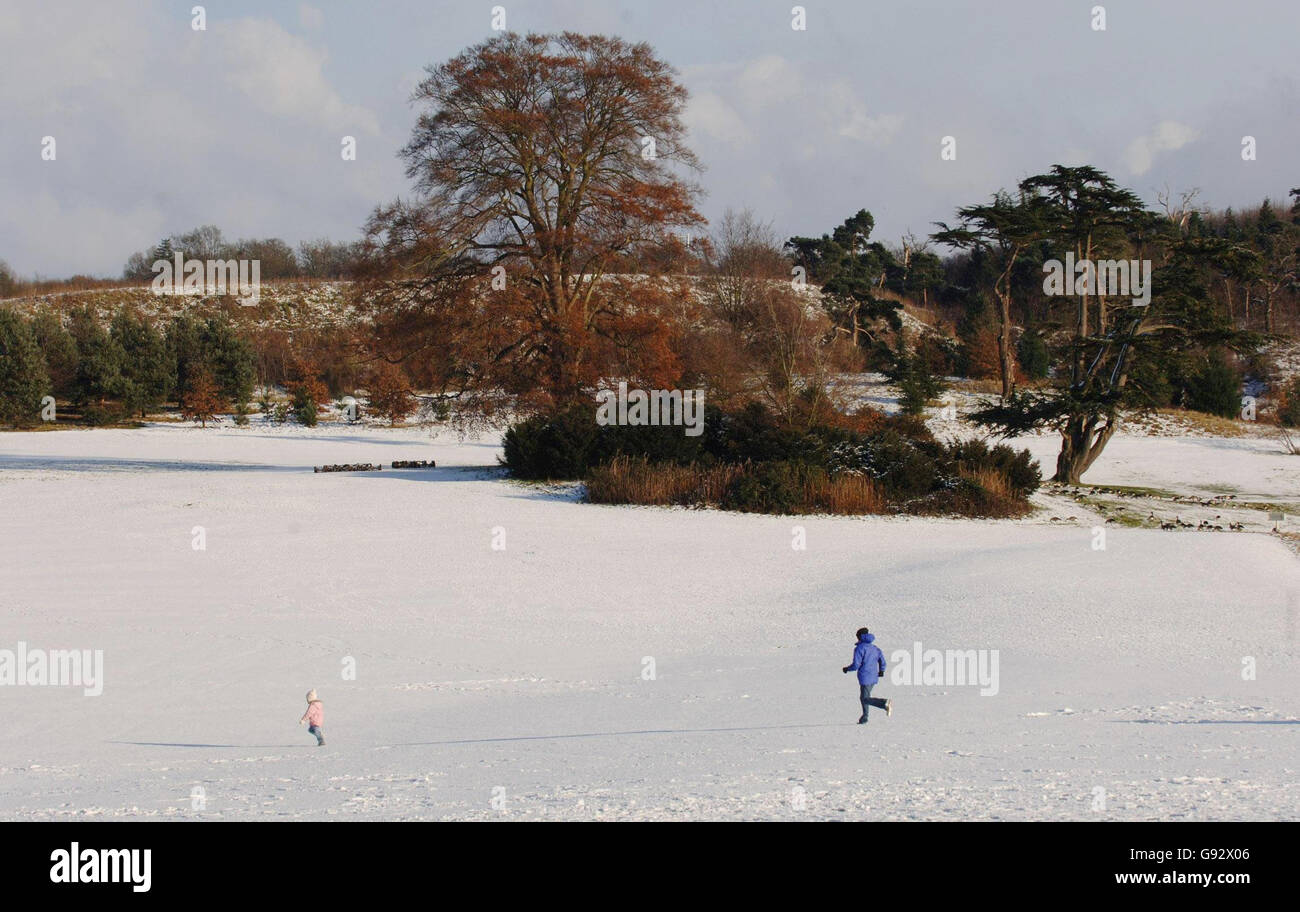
516 683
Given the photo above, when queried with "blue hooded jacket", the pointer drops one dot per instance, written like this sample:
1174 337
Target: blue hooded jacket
868 660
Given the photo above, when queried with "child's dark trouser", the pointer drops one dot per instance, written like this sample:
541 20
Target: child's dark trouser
868 700
319 732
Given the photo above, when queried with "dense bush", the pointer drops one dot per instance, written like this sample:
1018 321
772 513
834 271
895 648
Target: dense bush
771 487
101 415
1033 355
749 461
1214 387
305 407
1016 466
916 381
559 446
567 444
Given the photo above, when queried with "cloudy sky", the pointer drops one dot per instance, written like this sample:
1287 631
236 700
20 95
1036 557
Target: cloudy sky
159 127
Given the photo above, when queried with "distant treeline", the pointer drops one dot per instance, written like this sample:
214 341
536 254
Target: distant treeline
319 259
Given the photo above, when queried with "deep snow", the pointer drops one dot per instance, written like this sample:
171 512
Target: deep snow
509 683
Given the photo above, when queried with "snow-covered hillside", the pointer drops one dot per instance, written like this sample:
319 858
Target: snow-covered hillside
617 662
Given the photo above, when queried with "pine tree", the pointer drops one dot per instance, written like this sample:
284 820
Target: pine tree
99 368
23 380
212 346
231 360
165 251
916 383
60 351
145 378
851 269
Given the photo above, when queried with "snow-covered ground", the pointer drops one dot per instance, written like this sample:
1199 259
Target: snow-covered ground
516 683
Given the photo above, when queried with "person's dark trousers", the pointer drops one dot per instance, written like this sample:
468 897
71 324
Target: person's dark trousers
868 701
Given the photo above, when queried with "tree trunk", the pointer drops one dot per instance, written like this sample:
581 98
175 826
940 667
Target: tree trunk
1005 353
1077 373
1081 443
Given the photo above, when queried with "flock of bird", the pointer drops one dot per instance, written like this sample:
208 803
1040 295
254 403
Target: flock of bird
1204 525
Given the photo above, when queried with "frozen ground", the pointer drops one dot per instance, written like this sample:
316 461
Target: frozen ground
509 683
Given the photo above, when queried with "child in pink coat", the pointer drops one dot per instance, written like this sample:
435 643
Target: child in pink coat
314 717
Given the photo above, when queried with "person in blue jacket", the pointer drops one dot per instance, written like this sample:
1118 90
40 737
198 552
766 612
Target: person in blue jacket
869 662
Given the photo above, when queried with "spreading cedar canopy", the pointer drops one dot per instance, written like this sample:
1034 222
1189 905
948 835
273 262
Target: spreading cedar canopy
550 172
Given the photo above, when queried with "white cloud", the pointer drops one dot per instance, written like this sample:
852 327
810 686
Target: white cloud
238 125
1168 136
284 74
708 115
874 131
768 80
309 17
771 95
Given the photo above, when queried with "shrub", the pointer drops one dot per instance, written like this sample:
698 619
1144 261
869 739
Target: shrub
779 487
917 384
1033 355
843 495
558 447
637 480
983 493
771 487
1288 405
96 414
305 407
749 461
567 444
1214 388
1017 468
902 467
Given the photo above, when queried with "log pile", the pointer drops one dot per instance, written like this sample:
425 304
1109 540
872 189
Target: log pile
414 464
350 467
